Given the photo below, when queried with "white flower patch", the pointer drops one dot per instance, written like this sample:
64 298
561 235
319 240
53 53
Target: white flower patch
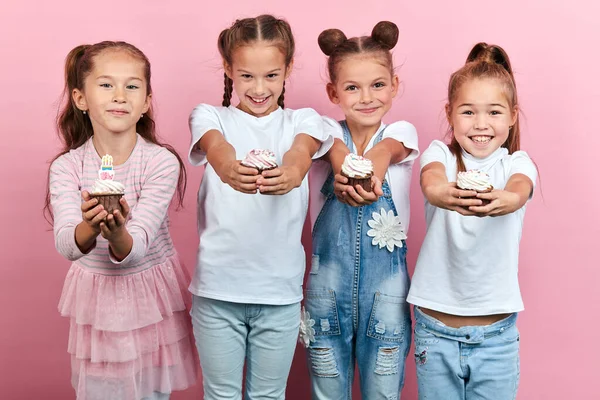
307 332
386 230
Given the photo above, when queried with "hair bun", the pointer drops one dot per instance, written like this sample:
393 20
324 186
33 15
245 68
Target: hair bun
329 39
386 33
490 53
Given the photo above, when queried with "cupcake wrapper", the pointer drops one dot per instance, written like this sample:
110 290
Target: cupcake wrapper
110 202
484 202
365 183
260 170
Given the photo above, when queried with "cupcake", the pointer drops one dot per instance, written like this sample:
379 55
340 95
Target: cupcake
106 189
358 170
475 180
262 160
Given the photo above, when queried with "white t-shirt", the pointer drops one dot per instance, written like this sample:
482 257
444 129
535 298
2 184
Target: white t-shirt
468 265
398 176
250 249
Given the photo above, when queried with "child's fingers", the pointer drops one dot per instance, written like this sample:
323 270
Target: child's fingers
341 179
272 173
463 193
340 187
352 198
111 223
248 188
98 218
125 207
91 214
353 194
273 189
467 202
247 178
483 209
88 205
368 197
85 195
488 195
377 186
119 218
275 181
242 170
104 230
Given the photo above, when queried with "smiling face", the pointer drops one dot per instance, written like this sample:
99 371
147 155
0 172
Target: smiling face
364 89
114 93
258 72
481 116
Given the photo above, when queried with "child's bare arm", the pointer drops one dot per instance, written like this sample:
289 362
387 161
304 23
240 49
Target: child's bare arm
443 194
517 191
222 157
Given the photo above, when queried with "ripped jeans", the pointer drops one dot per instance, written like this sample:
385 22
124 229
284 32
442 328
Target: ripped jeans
356 304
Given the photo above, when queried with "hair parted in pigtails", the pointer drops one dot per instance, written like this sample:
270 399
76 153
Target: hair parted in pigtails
335 44
486 62
74 125
249 30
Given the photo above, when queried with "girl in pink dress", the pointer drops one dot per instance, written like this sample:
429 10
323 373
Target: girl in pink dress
126 291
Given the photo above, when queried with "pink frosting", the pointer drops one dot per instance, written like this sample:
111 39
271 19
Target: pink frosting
260 159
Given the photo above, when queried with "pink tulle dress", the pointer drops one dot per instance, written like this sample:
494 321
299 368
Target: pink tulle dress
130 331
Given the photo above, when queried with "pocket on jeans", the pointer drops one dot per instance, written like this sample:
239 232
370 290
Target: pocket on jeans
510 335
322 307
388 318
424 336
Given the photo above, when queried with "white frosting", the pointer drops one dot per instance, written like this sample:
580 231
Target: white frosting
473 180
107 187
355 166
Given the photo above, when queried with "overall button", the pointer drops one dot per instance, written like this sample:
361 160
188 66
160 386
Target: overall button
468 337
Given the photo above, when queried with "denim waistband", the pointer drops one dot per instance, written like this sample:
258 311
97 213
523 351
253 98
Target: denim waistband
465 334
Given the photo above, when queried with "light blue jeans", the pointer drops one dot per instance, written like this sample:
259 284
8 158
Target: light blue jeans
467 363
230 334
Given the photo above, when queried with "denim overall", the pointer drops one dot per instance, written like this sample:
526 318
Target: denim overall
356 296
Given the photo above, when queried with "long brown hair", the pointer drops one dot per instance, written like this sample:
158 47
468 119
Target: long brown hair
75 128
485 62
249 30
333 43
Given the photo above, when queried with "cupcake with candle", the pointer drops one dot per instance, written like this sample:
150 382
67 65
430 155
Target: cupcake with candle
106 189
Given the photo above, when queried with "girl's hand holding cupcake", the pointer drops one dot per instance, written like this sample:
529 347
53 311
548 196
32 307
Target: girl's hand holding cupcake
114 224
239 177
92 213
450 197
280 180
114 230
356 196
501 202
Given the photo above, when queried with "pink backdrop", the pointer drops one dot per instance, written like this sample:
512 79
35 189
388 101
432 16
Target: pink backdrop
553 45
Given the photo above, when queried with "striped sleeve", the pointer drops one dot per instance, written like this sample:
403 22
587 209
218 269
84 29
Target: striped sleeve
148 215
65 199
